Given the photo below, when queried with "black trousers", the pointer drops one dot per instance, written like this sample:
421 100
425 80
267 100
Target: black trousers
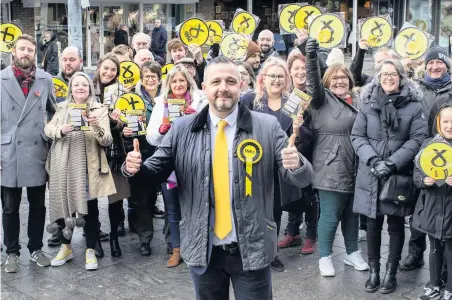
11 198
440 251
143 199
92 224
309 205
396 230
417 244
224 268
362 222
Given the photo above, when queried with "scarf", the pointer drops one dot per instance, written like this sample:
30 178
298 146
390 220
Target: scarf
437 83
388 105
25 79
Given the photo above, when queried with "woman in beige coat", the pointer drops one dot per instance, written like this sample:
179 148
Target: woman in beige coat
77 166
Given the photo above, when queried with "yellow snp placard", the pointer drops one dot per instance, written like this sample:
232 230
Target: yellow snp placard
411 42
130 102
234 46
304 14
60 87
9 33
244 22
215 32
377 31
328 29
129 74
435 161
165 70
287 14
194 31
249 152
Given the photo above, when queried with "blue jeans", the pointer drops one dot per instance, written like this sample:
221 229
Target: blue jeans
172 206
337 207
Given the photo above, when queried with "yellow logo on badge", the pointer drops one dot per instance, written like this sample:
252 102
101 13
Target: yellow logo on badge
436 160
328 29
411 42
8 36
194 31
377 31
305 14
215 33
129 73
60 87
249 151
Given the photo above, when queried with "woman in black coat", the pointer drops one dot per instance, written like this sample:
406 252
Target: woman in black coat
433 212
387 134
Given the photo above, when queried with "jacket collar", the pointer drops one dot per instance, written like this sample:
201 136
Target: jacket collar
244 119
284 120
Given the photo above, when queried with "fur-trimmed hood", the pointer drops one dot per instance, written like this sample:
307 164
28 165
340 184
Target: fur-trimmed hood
409 88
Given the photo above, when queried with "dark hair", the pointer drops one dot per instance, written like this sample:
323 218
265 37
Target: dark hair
250 72
108 56
332 70
26 38
154 67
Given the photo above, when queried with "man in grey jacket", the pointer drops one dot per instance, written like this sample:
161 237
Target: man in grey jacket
27 103
224 158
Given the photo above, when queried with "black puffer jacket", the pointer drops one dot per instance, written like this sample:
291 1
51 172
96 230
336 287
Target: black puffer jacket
50 56
433 100
333 157
400 146
433 212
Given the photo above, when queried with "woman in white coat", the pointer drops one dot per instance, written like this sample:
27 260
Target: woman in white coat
180 85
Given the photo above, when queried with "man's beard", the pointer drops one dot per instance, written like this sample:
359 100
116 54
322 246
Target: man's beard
23 65
224 106
70 73
267 49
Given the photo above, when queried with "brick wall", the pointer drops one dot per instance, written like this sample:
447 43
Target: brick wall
24 17
205 9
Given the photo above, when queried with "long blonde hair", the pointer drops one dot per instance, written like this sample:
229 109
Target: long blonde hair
260 86
166 88
92 95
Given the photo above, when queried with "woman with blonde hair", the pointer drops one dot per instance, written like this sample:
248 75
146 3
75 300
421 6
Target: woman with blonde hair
77 167
181 85
273 87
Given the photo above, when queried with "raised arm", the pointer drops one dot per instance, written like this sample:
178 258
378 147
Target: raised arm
314 84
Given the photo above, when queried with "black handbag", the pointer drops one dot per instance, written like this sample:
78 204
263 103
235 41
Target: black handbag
399 189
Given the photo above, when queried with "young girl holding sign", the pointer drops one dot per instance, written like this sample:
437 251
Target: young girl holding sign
433 213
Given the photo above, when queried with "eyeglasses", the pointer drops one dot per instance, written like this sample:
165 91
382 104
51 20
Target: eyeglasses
150 77
276 77
386 75
336 79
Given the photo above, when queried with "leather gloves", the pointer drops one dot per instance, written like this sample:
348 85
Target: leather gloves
383 169
312 47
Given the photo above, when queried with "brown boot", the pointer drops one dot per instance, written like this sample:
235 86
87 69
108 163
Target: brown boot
175 259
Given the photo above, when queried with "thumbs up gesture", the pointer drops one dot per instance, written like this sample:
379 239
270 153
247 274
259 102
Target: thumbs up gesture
133 160
290 156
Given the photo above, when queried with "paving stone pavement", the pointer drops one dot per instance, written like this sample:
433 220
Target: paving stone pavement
135 277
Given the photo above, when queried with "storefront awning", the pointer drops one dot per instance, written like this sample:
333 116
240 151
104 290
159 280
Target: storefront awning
119 2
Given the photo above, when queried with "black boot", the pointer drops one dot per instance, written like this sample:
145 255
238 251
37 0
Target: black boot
114 246
98 249
145 249
373 283
389 283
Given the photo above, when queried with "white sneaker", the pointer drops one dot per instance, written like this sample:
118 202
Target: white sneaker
326 267
356 260
91 260
362 235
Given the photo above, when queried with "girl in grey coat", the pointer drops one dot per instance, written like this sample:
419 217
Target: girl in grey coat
388 132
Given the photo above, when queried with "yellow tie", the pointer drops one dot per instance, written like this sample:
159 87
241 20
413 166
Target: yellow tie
223 220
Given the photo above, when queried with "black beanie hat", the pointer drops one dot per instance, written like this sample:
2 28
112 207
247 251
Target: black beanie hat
438 53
